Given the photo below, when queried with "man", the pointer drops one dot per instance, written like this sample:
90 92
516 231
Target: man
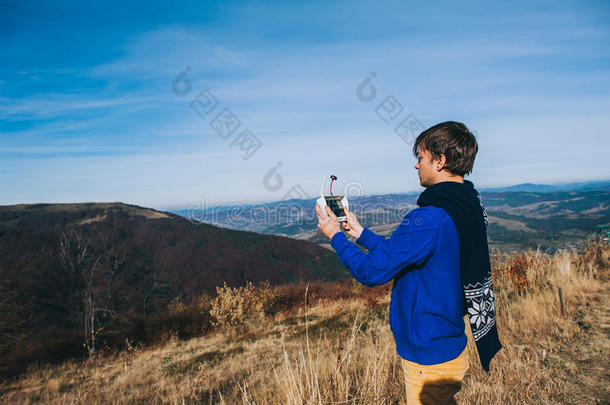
439 260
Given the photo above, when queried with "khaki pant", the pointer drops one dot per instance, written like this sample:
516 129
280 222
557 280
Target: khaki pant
437 383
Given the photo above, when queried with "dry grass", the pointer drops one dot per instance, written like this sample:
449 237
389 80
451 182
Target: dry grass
342 351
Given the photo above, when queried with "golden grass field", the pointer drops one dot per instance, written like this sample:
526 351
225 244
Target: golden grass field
341 351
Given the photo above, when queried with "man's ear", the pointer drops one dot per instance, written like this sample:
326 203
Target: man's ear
440 163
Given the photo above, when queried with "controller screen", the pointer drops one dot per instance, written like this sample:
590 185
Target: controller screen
334 203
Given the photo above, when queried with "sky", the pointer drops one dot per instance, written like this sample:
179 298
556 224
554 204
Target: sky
168 104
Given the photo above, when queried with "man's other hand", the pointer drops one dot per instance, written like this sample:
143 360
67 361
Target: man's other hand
352 226
327 221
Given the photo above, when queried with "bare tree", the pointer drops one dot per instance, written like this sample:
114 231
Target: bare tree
77 253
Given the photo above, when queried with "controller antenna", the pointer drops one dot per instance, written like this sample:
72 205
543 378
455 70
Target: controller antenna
332 178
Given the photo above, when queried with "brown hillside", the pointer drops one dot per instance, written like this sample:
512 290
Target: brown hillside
130 262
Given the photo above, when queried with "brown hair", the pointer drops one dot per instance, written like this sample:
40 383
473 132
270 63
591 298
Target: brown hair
452 139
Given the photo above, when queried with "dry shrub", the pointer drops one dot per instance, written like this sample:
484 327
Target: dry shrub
516 270
594 256
285 298
204 304
176 305
238 306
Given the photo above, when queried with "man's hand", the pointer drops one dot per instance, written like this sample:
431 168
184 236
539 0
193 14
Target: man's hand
352 226
327 221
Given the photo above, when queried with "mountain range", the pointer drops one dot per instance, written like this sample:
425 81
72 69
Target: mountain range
548 217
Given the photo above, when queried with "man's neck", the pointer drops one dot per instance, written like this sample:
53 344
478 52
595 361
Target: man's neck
457 179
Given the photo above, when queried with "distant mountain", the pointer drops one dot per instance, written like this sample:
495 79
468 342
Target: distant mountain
517 219
598 185
129 263
524 187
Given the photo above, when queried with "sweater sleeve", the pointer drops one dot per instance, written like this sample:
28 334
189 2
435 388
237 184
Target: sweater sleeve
369 239
408 244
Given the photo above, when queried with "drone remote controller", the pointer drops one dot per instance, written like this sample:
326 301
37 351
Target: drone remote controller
335 202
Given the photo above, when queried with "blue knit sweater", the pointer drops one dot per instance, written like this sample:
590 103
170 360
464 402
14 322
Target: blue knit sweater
423 257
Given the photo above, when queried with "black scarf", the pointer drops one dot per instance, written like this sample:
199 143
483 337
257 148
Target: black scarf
463 203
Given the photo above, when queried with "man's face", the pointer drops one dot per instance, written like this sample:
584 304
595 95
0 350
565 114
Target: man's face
425 169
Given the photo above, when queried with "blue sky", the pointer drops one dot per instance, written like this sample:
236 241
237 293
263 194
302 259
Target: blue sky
88 111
